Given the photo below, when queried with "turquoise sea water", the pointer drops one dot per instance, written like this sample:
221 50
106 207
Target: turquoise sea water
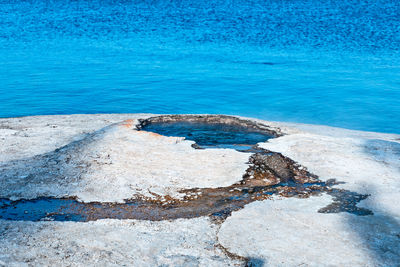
323 62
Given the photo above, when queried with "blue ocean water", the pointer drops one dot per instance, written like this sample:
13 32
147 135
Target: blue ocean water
324 62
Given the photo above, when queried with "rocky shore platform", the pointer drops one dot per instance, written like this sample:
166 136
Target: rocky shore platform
195 190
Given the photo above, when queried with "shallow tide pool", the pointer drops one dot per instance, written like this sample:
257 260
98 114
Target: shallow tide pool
323 62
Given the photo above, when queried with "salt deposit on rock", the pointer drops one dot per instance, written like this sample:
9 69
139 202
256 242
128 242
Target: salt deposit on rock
112 243
290 232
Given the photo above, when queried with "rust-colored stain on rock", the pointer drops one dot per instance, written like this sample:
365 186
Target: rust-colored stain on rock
128 123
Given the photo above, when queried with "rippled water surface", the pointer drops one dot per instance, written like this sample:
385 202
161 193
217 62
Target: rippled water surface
323 62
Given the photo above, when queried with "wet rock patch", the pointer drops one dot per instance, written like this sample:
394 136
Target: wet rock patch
345 201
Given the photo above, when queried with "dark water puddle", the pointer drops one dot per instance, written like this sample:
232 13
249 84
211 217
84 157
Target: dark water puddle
269 173
210 131
210 135
39 209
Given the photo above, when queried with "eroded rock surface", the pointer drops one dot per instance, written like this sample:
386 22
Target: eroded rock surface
91 157
291 232
113 243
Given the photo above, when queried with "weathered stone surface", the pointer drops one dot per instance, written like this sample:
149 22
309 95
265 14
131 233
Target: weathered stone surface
290 232
113 243
104 158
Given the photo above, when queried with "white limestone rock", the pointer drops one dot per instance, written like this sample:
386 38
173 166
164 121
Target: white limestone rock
290 232
112 243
